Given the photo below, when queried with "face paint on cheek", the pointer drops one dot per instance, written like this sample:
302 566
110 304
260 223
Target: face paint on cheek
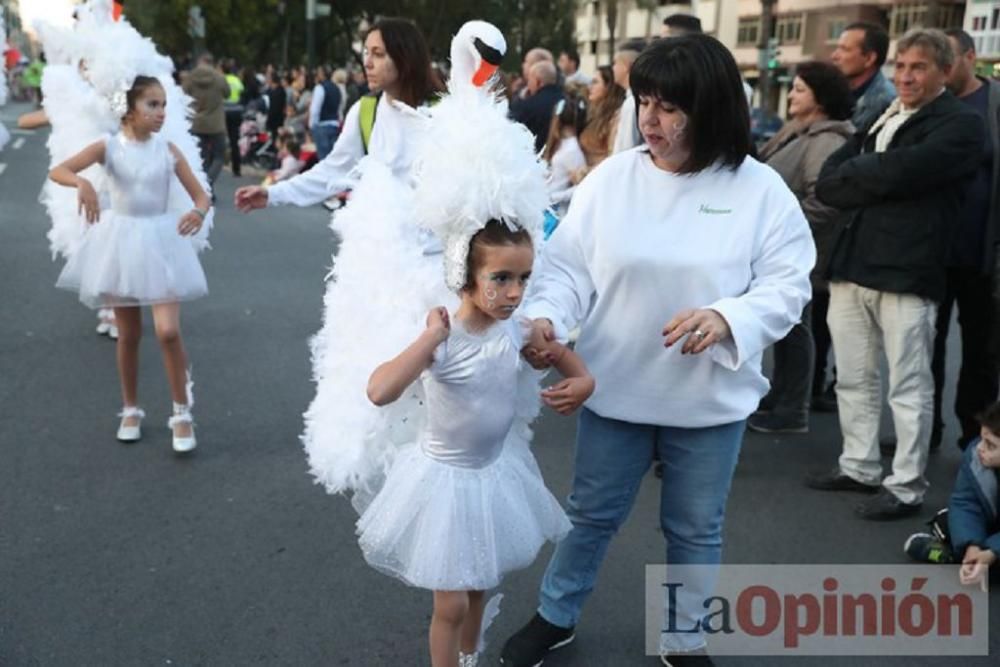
490 295
679 129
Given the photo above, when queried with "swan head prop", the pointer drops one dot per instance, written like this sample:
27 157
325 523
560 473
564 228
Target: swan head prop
476 53
472 163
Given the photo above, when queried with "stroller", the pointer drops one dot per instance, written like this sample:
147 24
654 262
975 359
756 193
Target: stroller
255 144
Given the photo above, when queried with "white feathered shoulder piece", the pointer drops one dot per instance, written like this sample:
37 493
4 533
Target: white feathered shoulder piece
474 164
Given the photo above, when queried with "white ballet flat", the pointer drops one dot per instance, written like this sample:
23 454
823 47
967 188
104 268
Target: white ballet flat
130 433
103 328
112 332
182 415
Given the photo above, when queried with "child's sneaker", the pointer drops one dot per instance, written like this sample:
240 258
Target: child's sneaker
926 548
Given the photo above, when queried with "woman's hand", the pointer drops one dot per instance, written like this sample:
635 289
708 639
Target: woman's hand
86 201
190 223
439 323
976 565
703 327
534 351
567 395
250 197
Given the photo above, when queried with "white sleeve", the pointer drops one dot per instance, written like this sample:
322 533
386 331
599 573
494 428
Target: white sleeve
562 288
317 103
328 177
779 289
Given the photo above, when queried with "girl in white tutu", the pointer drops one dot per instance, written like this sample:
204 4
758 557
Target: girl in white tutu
141 252
466 504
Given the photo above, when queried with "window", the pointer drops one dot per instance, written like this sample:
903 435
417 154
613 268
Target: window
788 29
748 33
834 28
996 19
905 16
593 47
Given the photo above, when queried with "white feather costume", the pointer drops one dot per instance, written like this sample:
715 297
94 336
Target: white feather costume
436 512
96 62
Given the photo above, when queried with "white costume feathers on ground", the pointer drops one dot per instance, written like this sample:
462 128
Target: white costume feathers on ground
95 62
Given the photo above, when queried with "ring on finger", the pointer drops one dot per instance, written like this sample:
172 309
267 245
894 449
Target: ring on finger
699 334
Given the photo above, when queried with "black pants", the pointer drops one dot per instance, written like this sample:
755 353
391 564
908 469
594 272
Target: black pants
821 337
233 119
791 378
213 154
978 384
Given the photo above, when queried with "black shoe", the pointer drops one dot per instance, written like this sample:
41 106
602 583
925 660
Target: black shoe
688 660
528 646
926 548
835 480
886 507
772 423
658 469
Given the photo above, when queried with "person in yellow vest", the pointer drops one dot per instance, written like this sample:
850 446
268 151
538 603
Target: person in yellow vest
234 113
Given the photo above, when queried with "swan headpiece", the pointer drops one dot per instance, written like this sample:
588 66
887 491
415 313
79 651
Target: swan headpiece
473 163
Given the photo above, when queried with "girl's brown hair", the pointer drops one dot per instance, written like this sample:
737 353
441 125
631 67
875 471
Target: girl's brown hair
495 233
571 111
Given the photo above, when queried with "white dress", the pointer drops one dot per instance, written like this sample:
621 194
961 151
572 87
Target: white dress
466 503
134 255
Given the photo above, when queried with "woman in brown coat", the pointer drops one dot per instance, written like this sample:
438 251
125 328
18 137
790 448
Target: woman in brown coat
605 98
819 108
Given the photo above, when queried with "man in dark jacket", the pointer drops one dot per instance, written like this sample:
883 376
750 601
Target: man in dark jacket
901 185
208 87
277 100
970 267
535 111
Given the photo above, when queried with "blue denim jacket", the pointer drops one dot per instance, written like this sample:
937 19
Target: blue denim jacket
973 516
871 105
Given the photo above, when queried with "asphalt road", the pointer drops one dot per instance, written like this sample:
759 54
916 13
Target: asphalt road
125 555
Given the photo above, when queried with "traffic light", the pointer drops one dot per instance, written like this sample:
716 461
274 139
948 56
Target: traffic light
773 53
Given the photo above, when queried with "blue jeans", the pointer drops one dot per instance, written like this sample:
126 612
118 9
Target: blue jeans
325 136
612 458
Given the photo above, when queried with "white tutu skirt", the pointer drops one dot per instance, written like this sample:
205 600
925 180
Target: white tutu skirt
134 261
448 528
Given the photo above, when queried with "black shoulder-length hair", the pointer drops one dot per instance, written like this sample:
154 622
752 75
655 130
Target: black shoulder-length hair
699 75
408 50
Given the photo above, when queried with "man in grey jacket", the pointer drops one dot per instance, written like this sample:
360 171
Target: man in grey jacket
209 89
860 53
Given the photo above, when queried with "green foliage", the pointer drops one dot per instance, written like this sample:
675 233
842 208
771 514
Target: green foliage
255 31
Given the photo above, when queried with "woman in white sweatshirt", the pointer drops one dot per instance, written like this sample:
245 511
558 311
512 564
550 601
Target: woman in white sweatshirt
681 260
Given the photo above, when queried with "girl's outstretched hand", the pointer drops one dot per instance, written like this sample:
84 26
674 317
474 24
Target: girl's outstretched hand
567 395
189 224
439 322
86 198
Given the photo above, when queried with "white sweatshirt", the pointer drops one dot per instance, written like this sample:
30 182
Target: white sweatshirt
638 246
397 126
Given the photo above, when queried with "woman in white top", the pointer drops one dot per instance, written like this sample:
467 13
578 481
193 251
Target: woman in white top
681 260
397 64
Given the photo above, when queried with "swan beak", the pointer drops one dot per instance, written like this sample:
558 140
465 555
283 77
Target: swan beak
483 74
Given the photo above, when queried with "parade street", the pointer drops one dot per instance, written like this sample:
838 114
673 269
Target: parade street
115 554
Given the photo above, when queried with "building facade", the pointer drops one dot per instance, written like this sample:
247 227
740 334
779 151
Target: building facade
982 21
